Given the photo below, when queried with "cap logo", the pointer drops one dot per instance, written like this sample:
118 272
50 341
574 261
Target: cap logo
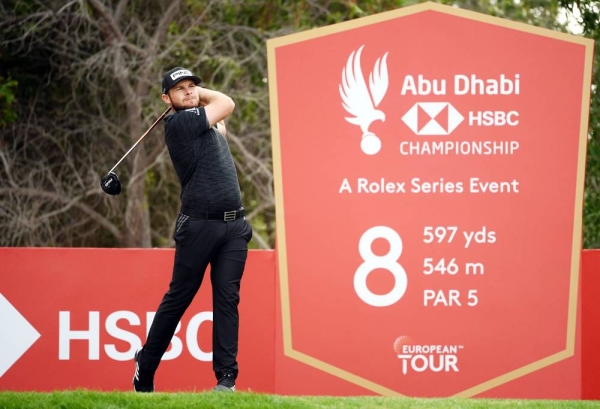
181 73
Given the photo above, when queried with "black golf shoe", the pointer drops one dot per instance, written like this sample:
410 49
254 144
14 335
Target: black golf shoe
143 381
226 383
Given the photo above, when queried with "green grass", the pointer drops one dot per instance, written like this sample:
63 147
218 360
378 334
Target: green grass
82 399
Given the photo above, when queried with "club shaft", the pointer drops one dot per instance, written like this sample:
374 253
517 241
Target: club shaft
142 137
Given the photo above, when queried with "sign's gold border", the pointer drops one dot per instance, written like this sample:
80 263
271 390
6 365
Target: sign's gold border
282 265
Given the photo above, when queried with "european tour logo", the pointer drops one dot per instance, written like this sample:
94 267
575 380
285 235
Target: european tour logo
420 358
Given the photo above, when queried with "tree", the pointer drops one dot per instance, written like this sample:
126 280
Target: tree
587 13
97 83
88 74
7 99
97 69
90 71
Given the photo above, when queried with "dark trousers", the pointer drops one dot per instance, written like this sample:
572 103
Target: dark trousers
223 245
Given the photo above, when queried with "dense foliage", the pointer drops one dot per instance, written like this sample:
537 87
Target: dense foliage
587 13
79 83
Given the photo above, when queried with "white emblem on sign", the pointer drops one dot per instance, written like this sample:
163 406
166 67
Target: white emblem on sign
432 118
360 101
17 335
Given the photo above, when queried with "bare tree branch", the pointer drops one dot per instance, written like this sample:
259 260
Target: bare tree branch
74 202
112 22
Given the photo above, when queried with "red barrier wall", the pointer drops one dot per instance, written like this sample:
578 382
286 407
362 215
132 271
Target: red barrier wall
105 296
590 371
64 293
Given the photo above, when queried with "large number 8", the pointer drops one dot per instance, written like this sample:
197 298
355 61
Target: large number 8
388 262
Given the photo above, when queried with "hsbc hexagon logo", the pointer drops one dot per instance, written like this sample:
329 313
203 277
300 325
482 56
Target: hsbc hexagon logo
432 118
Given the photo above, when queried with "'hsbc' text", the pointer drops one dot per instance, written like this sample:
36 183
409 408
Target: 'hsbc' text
91 335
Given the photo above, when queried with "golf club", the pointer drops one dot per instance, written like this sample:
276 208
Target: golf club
110 182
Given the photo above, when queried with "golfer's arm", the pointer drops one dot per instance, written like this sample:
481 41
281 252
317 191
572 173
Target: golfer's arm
221 127
217 106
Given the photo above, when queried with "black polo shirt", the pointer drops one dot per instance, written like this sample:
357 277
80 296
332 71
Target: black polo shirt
203 162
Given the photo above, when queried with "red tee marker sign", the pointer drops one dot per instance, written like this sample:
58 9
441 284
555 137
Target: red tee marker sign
429 167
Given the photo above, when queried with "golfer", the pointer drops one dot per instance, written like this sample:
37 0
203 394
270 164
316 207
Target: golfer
210 229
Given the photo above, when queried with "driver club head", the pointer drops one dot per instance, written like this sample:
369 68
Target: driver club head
110 184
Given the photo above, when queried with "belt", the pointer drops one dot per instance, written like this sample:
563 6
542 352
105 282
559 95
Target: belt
224 216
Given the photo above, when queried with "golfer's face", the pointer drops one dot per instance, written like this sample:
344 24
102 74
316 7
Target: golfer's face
184 95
